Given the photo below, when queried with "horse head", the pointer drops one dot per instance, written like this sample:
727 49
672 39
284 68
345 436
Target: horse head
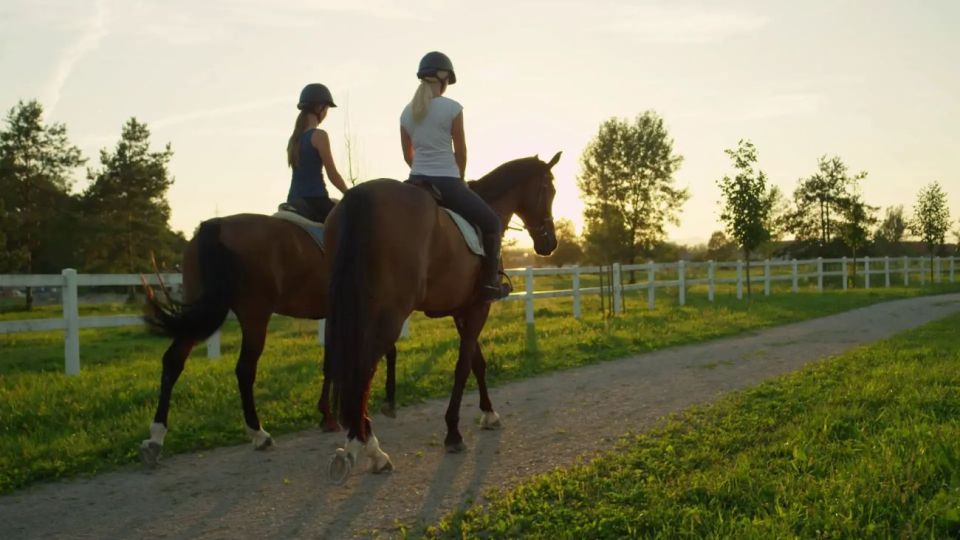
524 187
536 205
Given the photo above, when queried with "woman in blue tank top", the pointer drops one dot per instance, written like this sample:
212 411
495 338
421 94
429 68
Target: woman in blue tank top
433 142
308 153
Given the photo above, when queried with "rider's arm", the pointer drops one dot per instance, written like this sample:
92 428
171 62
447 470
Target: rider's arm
406 144
321 142
459 144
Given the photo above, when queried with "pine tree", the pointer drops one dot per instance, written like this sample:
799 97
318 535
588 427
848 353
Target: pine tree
125 207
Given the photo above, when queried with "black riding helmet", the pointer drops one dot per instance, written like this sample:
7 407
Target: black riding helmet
315 94
435 61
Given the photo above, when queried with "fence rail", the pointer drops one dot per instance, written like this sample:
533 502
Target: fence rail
682 275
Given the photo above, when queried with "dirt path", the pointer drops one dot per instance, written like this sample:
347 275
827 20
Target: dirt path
549 421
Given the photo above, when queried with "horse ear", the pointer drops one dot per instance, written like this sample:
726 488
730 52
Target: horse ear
554 160
536 157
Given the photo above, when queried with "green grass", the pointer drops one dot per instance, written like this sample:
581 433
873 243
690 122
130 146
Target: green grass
866 445
54 426
56 311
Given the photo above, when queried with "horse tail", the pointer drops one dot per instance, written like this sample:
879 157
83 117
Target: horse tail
347 356
198 320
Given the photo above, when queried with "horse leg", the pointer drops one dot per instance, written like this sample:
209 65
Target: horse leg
173 361
345 458
469 326
389 407
254 335
490 420
328 421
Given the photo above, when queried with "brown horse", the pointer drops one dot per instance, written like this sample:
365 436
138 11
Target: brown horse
254 265
393 251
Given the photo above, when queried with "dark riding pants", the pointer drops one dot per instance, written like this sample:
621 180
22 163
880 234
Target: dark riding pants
458 197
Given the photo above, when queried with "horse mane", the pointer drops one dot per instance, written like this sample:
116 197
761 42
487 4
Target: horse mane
500 180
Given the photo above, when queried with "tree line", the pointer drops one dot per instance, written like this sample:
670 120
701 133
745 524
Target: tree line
631 195
627 181
111 226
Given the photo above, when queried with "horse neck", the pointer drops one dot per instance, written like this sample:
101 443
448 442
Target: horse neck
506 205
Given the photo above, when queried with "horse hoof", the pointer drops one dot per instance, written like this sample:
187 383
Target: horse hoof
490 421
456 448
150 453
388 410
264 444
340 467
386 466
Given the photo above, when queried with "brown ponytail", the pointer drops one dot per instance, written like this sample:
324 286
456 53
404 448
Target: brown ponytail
293 145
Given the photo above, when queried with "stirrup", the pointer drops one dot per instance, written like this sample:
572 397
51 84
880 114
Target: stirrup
492 293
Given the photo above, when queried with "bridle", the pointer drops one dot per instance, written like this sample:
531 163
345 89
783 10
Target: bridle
540 230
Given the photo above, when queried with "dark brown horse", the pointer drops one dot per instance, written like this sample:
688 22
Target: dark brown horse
256 266
393 251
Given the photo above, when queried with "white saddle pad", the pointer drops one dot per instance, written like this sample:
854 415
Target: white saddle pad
470 232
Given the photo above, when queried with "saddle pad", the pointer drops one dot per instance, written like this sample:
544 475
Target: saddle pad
313 228
470 232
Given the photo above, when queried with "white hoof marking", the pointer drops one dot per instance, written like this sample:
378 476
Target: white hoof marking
490 420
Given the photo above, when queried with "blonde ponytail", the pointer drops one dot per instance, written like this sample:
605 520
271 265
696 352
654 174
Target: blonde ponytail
420 104
421 101
293 145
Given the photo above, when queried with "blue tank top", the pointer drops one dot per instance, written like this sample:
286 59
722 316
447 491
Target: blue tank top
307 178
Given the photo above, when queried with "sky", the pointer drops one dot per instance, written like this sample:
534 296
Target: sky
875 82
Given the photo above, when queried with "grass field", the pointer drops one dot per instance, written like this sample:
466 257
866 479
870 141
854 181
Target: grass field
866 445
56 426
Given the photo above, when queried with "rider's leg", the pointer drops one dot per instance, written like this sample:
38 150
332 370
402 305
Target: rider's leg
458 197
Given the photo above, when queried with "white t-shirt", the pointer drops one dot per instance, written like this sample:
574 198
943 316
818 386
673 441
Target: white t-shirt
432 141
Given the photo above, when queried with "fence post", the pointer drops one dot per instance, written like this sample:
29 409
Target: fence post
576 292
682 281
923 271
71 320
617 290
951 268
906 271
711 272
528 278
321 331
766 277
820 274
739 279
843 271
651 280
793 271
886 271
937 271
866 273
213 345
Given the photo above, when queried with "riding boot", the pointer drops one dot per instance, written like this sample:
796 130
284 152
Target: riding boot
491 288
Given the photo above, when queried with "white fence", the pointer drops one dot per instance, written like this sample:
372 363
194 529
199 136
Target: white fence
682 276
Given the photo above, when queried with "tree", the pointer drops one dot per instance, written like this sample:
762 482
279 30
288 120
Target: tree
720 248
892 229
125 207
855 231
352 149
568 245
821 201
747 202
931 219
628 188
36 161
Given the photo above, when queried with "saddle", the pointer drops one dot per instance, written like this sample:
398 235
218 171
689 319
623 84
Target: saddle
302 209
469 231
302 215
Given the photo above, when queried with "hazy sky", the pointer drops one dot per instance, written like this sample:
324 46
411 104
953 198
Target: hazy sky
875 82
